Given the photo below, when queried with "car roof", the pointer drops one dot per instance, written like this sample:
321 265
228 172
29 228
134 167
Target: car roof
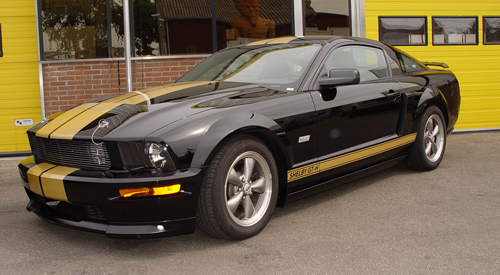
311 40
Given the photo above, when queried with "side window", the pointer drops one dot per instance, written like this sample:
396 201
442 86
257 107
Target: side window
370 62
409 64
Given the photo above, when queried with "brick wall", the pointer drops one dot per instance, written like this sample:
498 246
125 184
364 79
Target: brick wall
71 83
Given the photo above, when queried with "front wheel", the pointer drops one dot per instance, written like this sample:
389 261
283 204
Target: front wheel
428 150
239 192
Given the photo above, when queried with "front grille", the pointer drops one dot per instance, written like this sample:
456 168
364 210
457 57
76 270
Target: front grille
71 153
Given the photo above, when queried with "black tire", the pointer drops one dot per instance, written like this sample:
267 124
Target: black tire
229 205
428 149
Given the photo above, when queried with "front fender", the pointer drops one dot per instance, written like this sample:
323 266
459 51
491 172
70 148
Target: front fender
194 139
236 123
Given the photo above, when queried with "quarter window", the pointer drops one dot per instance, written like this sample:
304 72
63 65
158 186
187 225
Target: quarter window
370 62
403 31
491 30
454 30
409 64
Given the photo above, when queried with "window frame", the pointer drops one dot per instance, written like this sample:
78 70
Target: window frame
484 31
384 53
426 32
456 17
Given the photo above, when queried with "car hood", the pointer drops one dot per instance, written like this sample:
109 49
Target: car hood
134 115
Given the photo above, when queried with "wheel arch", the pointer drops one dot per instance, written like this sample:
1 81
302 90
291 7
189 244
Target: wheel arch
431 97
256 125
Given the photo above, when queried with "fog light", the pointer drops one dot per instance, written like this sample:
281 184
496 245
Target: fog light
150 191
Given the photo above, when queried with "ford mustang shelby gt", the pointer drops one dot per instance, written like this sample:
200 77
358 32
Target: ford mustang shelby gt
250 128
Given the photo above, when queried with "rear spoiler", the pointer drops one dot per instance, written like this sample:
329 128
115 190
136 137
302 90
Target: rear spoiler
439 64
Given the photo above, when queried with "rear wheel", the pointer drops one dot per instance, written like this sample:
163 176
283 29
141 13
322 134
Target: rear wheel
239 192
428 150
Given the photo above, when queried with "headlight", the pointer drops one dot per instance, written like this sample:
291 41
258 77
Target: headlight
159 157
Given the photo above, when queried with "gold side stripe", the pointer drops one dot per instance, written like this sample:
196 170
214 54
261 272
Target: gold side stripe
53 184
34 177
332 163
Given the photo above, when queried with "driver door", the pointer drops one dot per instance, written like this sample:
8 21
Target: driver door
353 119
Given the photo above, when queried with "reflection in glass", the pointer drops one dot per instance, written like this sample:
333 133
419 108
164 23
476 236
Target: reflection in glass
249 24
402 31
74 29
491 31
82 29
454 30
270 64
327 17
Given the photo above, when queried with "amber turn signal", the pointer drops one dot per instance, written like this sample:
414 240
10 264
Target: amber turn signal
150 191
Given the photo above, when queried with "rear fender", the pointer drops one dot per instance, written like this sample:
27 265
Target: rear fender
430 97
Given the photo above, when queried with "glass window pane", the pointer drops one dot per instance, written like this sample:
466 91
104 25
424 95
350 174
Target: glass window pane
327 17
409 64
402 31
74 29
370 62
243 21
454 30
491 30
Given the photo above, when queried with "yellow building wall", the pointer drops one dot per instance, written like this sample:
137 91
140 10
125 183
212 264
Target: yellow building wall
19 78
477 67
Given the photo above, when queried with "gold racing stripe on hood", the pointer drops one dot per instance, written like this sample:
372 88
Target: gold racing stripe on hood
67 125
332 163
80 121
53 125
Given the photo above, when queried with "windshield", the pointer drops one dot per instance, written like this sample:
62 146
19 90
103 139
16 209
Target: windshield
267 64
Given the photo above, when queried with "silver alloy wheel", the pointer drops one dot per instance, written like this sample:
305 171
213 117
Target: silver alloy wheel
434 138
248 188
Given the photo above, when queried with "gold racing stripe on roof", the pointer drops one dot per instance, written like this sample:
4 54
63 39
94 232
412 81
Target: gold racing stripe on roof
332 163
285 39
53 182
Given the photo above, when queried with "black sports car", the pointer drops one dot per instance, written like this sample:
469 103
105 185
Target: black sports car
250 128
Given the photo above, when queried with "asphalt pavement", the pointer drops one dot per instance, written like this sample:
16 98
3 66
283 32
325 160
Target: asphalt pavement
397 221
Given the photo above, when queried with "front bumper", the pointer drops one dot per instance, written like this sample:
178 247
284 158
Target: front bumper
72 198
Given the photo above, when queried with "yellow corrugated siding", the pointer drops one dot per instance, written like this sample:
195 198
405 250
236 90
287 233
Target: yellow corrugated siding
19 78
477 67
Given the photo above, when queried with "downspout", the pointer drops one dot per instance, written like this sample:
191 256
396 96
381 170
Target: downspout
126 24
358 18
298 18
39 39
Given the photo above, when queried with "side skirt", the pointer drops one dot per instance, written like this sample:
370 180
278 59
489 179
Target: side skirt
323 186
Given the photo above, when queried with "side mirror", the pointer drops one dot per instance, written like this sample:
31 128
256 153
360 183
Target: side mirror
340 77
